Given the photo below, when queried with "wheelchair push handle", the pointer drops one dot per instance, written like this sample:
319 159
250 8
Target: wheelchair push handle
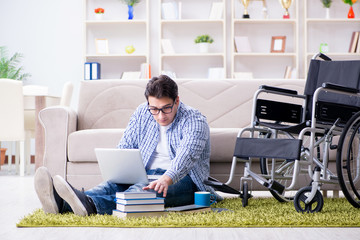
277 89
322 56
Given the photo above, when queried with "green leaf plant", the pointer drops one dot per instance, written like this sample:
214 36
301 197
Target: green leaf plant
9 66
326 3
130 2
204 39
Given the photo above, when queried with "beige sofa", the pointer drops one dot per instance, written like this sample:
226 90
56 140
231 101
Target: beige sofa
105 107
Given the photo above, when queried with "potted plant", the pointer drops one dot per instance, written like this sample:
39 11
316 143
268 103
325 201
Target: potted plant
204 41
130 4
9 65
326 5
9 69
99 13
351 13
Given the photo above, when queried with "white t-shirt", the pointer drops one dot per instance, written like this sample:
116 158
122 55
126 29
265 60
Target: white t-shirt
161 158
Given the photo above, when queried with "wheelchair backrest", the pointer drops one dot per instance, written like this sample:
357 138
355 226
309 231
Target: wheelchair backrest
331 105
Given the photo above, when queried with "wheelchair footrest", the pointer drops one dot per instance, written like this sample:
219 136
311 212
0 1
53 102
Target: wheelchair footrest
219 186
275 186
268 183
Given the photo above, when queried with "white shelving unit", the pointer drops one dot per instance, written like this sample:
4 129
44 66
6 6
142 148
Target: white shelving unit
120 32
186 61
304 31
259 29
335 31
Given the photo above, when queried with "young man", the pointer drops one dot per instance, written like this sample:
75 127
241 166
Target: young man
174 141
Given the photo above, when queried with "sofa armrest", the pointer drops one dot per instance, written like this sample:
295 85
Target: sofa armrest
58 123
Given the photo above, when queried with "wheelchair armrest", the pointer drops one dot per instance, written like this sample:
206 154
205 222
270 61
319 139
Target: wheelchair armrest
277 89
339 87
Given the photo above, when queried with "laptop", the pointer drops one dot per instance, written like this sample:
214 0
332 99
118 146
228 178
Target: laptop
122 166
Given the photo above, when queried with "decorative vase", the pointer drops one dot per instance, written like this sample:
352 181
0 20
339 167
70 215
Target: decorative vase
130 12
327 16
99 16
204 47
2 156
351 13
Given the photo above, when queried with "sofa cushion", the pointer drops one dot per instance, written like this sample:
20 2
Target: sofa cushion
108 104
81 144
222 144
226 102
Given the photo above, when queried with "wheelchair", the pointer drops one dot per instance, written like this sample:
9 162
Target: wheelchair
292 141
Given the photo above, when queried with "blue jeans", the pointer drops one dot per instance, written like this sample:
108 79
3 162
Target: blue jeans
178 194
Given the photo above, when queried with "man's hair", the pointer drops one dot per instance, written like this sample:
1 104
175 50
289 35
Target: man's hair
162 86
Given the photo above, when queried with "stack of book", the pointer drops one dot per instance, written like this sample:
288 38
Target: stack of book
138 204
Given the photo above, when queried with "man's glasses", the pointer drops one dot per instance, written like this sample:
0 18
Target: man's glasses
165 110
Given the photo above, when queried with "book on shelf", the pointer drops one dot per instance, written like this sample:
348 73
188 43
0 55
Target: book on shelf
131 75
243 75
145 69
170 10
293 73
140 207
121 214
242 44
354 43
216 11
135 195
179 6
92 71
87 71
170 74
288 71
216 73
140 201
167 46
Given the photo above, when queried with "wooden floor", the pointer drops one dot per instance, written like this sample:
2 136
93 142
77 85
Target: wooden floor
18 198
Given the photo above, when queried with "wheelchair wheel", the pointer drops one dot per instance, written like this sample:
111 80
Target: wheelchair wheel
348 161
284 173
245 194
314 206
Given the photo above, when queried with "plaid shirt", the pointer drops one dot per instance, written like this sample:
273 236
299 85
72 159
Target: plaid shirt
188 142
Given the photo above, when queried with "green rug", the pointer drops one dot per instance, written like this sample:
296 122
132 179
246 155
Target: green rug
261 212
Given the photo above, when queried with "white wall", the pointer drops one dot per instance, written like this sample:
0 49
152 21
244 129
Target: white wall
49 35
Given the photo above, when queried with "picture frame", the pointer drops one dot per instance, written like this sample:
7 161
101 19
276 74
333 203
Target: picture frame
278 44
102 46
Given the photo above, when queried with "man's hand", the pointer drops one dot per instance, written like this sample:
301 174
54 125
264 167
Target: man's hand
161 185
